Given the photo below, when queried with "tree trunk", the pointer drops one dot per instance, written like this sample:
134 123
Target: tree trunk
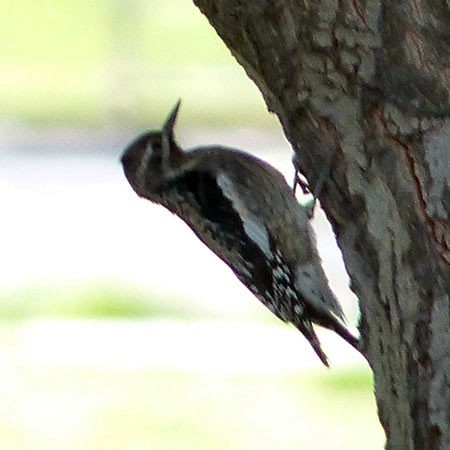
365 84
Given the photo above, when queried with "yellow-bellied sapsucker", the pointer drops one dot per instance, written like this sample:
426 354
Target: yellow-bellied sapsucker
245 212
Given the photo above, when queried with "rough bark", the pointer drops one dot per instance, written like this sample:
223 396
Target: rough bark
366 85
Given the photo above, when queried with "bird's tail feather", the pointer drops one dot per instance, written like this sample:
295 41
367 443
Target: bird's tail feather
334 324
306 328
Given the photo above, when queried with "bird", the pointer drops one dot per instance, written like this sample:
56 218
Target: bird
244 211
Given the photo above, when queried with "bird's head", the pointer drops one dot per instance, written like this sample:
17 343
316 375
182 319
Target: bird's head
151 159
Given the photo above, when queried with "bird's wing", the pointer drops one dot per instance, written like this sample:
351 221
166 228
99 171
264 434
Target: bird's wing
232 232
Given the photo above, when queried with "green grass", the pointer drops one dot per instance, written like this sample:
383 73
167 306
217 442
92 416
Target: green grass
107 300
91 62
74 408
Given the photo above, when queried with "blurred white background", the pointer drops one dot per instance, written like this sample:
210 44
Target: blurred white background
118 328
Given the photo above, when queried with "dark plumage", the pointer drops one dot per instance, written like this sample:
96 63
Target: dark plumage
244 211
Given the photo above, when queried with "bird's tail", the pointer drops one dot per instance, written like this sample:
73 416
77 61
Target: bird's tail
306 328
343 332
334 324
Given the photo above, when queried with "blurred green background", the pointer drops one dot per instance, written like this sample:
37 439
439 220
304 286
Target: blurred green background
108 340
92 63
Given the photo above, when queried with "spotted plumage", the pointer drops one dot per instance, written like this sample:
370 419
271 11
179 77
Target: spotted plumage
243 210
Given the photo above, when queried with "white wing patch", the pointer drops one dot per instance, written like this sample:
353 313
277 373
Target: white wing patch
253 225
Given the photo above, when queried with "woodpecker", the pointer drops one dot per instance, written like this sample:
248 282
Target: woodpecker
244 211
